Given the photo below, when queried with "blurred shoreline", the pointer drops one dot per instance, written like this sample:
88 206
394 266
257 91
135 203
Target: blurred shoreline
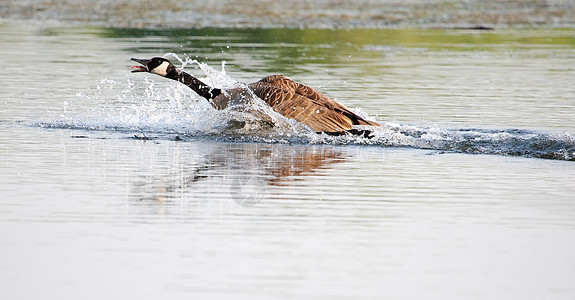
459 14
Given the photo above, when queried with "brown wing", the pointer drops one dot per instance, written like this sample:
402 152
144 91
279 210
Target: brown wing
306 105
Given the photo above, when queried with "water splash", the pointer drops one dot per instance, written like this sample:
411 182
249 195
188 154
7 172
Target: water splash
168 107
513 142
170 110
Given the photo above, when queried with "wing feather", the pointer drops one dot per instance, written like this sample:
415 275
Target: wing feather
306 105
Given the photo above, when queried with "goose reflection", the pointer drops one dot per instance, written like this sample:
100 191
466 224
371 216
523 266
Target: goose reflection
240 171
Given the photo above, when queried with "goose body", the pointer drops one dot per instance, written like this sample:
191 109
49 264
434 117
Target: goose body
291 99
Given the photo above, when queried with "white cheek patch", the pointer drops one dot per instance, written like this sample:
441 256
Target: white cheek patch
161 70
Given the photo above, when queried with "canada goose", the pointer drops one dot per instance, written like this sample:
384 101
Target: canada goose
291 99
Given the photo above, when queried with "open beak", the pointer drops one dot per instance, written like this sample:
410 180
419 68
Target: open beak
143 68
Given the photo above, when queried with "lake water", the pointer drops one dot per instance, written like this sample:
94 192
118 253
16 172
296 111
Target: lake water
120 185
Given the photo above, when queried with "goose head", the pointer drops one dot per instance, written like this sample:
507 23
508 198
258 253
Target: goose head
156 65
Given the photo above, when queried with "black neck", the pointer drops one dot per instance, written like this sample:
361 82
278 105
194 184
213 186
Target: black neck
195 84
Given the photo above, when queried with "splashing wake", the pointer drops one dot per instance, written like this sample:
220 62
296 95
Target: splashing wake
170 110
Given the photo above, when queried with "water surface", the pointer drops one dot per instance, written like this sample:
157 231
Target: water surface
128 185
